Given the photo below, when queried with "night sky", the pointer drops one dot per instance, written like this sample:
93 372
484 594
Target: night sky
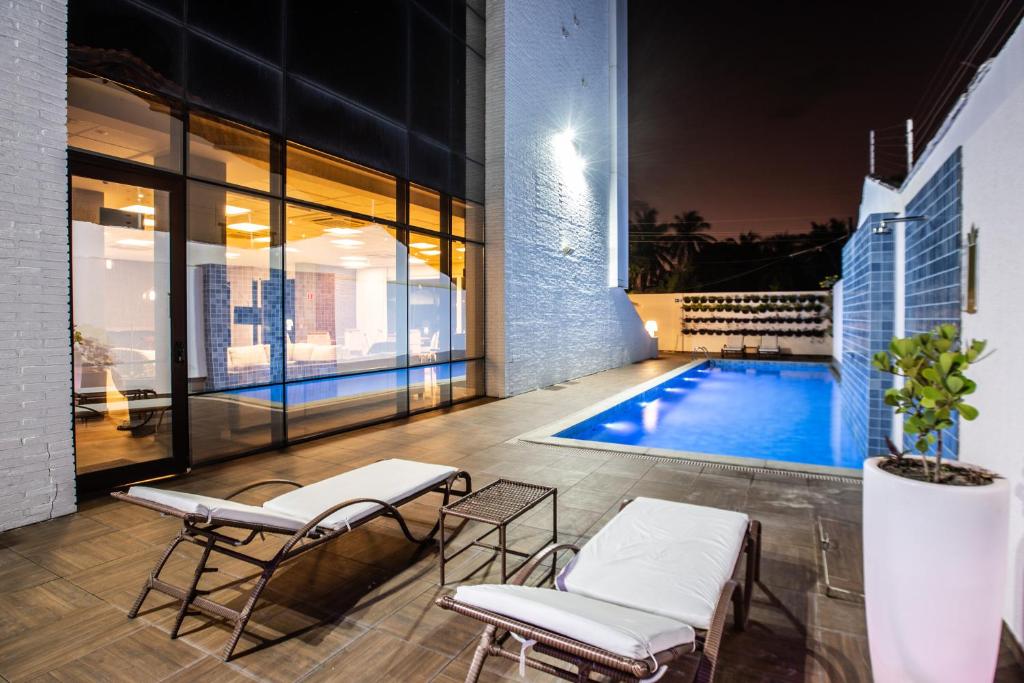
757 114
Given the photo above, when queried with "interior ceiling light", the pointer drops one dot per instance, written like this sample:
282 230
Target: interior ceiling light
343 232
136 243
149 222
460 249
139 208
416 260
347 244
422 245
235 210
261 240
431 252
248 227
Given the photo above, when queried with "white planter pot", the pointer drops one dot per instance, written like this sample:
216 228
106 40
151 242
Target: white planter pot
934 575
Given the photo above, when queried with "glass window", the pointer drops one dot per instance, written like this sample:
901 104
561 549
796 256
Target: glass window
230 153
424 208
120 246
323 179
467 379
467 220
345 297
323 405
467 300
121 122
429 387
429 295
234 289
235 421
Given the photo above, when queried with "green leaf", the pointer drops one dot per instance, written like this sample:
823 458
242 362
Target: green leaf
955 384
968 412
946 362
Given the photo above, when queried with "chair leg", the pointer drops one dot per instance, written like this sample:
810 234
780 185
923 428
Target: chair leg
146 587
739 604
486 639
246 613
192 589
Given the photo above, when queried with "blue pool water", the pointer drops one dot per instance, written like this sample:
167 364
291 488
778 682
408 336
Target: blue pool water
755 409
328 389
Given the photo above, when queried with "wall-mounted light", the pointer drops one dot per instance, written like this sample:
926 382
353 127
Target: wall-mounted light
570 162
652 328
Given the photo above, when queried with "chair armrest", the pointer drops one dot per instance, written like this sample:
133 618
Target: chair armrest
523 573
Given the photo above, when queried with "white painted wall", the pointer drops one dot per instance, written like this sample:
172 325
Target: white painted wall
987 124
665 309
552 315
837 322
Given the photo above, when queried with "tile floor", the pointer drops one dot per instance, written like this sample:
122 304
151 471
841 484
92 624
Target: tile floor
361 609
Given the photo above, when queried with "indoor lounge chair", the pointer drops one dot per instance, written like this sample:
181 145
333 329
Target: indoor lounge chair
769 346
733 344
306 518
654 584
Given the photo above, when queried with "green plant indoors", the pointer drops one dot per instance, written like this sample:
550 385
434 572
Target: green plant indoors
934 388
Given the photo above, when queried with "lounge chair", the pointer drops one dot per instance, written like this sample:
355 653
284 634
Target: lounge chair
652 585
769 346
307 518
733 344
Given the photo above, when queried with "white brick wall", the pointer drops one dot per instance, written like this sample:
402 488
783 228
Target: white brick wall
551 315
37 470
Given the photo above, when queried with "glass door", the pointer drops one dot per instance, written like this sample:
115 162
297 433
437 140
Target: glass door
129 354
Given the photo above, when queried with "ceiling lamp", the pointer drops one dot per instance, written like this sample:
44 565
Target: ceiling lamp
139 208
248 227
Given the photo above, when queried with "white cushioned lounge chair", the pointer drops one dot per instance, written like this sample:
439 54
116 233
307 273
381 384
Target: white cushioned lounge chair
307 518
769 346
733 344
653 584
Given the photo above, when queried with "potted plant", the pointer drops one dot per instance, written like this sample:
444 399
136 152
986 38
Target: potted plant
935 531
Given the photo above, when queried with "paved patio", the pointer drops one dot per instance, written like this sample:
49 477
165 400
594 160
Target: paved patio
361 609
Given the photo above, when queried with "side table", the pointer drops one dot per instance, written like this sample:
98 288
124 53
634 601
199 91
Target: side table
498 504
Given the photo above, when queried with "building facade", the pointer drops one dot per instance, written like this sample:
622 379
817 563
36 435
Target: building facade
230 230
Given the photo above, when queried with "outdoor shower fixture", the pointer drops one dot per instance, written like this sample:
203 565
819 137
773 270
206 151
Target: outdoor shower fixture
883 226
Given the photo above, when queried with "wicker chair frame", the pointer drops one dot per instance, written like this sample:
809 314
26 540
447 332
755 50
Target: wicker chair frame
207 532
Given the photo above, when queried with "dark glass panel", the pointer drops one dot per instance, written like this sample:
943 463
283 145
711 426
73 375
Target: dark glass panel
474 105
467 379
429 81
237 421
428 163
230 83
475 30
439 9
254 28
173 7
323 405
356 49
325 122
458 91
127 43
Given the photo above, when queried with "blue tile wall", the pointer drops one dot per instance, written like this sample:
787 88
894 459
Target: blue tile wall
868 323
933 261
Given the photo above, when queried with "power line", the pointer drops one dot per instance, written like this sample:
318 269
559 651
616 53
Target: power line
768 265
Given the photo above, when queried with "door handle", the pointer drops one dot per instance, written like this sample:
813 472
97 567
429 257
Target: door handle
179 352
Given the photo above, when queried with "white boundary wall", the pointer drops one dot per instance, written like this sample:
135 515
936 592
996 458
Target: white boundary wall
666 310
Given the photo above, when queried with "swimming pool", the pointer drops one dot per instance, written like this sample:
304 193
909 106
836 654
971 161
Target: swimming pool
768 410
